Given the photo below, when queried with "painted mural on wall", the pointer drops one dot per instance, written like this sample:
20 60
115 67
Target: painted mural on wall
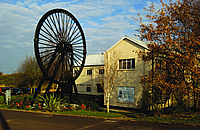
126 94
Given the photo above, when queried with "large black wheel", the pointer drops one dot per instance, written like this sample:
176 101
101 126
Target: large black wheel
60 46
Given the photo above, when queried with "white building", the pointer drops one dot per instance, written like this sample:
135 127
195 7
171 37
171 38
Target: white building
128 90
94 67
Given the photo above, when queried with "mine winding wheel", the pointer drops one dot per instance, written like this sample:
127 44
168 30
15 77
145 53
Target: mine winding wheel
60 48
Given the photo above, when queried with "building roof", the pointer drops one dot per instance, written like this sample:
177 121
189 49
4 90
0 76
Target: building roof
136 41
97 59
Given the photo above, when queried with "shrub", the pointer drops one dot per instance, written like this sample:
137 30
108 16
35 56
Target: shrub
90 104
50 102
178 109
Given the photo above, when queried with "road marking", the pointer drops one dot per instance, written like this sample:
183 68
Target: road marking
99 124
110 121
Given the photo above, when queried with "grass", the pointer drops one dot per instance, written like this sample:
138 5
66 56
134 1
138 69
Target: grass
171 119
89 113
193 118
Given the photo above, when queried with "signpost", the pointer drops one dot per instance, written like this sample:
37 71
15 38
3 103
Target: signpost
8 96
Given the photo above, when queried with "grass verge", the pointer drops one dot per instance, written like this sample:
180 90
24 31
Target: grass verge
193 118
89 113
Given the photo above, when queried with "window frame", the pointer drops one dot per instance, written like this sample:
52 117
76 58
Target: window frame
126 64
99 88
101 71
81 87
89 72
88 89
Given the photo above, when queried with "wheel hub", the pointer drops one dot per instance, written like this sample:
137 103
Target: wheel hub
64 47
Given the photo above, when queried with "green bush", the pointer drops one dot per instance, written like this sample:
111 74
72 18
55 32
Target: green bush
178 109
20 102
89 104
50 102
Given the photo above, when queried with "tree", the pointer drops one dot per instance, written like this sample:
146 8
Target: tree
174 45
29 71
1 77
109 80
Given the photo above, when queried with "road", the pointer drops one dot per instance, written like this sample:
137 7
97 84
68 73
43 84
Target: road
23 120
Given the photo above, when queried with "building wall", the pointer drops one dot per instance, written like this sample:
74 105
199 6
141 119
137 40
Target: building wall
128 79
87 82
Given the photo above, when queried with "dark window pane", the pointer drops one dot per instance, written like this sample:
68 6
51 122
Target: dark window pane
128 64
124 64
88 89
99 88
89 72
101 71
133 64
120 64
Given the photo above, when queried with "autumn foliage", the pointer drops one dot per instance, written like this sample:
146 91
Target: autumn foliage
173 34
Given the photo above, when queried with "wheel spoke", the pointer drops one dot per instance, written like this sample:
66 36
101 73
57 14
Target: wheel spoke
75 37
47 40
57 66
46 47
46 51
53 57
78 57
76 41
48 54
54 23
73 32
63 24
47 44
67 22
66 69
78 46
77 61
58 21
51 28
48 33
63 70
79 52
44 61
71 25
77 49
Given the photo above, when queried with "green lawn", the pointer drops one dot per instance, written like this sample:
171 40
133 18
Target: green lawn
181 118
192 118
102 114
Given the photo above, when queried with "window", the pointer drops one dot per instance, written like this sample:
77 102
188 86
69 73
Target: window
101 71
127 64
81 87
88 89
99 88
89 72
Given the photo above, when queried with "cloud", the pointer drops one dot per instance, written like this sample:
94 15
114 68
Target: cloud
132 10
7 46
104 22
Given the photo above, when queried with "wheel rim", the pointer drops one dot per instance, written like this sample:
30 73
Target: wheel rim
60 46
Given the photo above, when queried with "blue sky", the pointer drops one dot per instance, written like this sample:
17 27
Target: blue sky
104 23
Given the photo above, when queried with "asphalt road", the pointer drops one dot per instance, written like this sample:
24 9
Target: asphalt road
22 120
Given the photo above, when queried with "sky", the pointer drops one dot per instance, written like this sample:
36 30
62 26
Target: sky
104 22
